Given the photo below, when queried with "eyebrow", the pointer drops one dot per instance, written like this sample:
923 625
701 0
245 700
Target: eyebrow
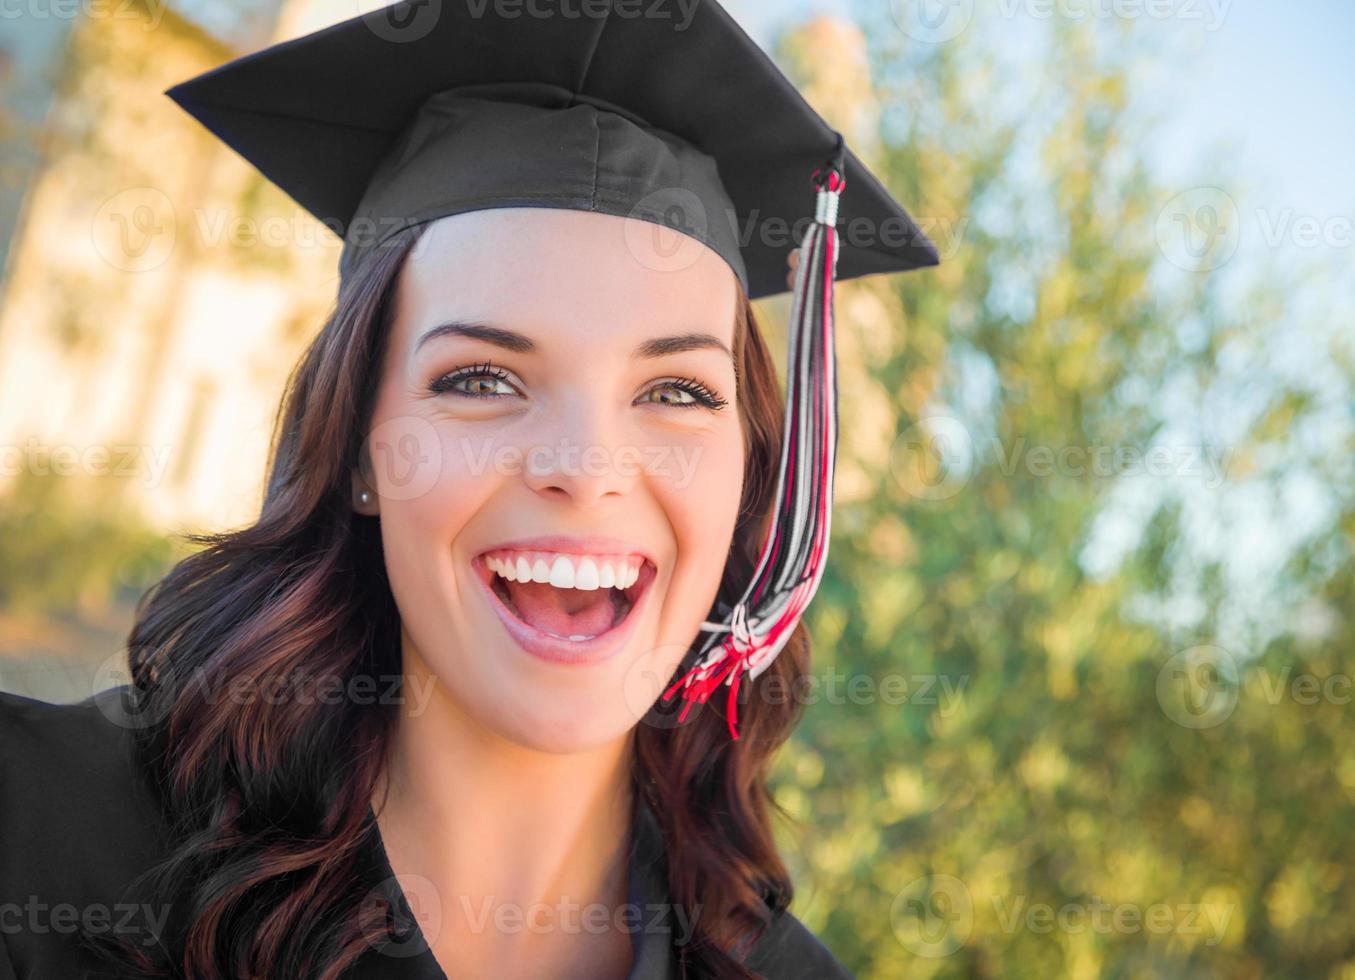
499 337
519 343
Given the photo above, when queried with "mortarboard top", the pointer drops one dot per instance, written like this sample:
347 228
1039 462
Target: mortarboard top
664 111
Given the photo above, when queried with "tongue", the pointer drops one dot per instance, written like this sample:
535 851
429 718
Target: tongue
568 612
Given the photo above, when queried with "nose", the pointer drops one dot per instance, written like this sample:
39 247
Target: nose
581 454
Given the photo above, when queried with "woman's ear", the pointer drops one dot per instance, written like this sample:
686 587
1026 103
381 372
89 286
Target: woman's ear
364 496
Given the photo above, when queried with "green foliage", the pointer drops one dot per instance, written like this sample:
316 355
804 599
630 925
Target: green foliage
1041 802
64 549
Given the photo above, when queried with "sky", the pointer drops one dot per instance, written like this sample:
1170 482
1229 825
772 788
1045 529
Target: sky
1274 82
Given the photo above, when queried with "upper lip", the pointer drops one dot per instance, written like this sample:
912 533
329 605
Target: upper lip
569 544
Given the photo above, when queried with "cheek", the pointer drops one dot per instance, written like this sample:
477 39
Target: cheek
701 501
431 480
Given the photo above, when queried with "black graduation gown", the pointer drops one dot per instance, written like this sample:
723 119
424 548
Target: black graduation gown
76 828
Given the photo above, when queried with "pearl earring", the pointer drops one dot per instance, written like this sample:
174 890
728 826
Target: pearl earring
365 497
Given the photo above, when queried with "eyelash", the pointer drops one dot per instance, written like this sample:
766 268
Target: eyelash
446 381
702 395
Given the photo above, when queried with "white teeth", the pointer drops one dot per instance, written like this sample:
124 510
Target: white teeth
568 572
587 576
562 573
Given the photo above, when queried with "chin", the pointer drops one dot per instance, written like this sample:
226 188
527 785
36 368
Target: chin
562 730
545 702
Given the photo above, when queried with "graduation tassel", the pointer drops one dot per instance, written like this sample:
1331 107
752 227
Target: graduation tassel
795 550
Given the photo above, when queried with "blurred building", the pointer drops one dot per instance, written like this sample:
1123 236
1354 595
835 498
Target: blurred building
157 290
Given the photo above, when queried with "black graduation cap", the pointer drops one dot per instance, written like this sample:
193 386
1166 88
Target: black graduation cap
662 110
658 110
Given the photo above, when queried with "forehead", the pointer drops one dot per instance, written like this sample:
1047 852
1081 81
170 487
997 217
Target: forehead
581 276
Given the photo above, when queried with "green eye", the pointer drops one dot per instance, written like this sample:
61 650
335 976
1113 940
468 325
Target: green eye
480 380
685 393
671 395
480 387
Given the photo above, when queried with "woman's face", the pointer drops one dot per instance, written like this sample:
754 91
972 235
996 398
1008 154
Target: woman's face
557 399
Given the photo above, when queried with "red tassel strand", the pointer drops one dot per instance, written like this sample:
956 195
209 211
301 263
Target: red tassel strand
794 554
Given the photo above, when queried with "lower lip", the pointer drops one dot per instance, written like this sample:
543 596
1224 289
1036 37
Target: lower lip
550 648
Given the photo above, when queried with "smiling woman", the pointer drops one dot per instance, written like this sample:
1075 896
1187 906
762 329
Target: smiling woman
586 372
509 770
409 722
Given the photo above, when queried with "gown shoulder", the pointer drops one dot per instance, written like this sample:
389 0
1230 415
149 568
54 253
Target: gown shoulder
788 950
76 826
68 784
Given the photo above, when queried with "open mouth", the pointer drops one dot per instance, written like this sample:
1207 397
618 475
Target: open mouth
573 598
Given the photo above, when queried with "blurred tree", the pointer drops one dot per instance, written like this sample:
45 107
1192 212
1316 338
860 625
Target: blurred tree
1043 771
63 551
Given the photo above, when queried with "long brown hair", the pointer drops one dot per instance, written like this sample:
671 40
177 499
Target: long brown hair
265 804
